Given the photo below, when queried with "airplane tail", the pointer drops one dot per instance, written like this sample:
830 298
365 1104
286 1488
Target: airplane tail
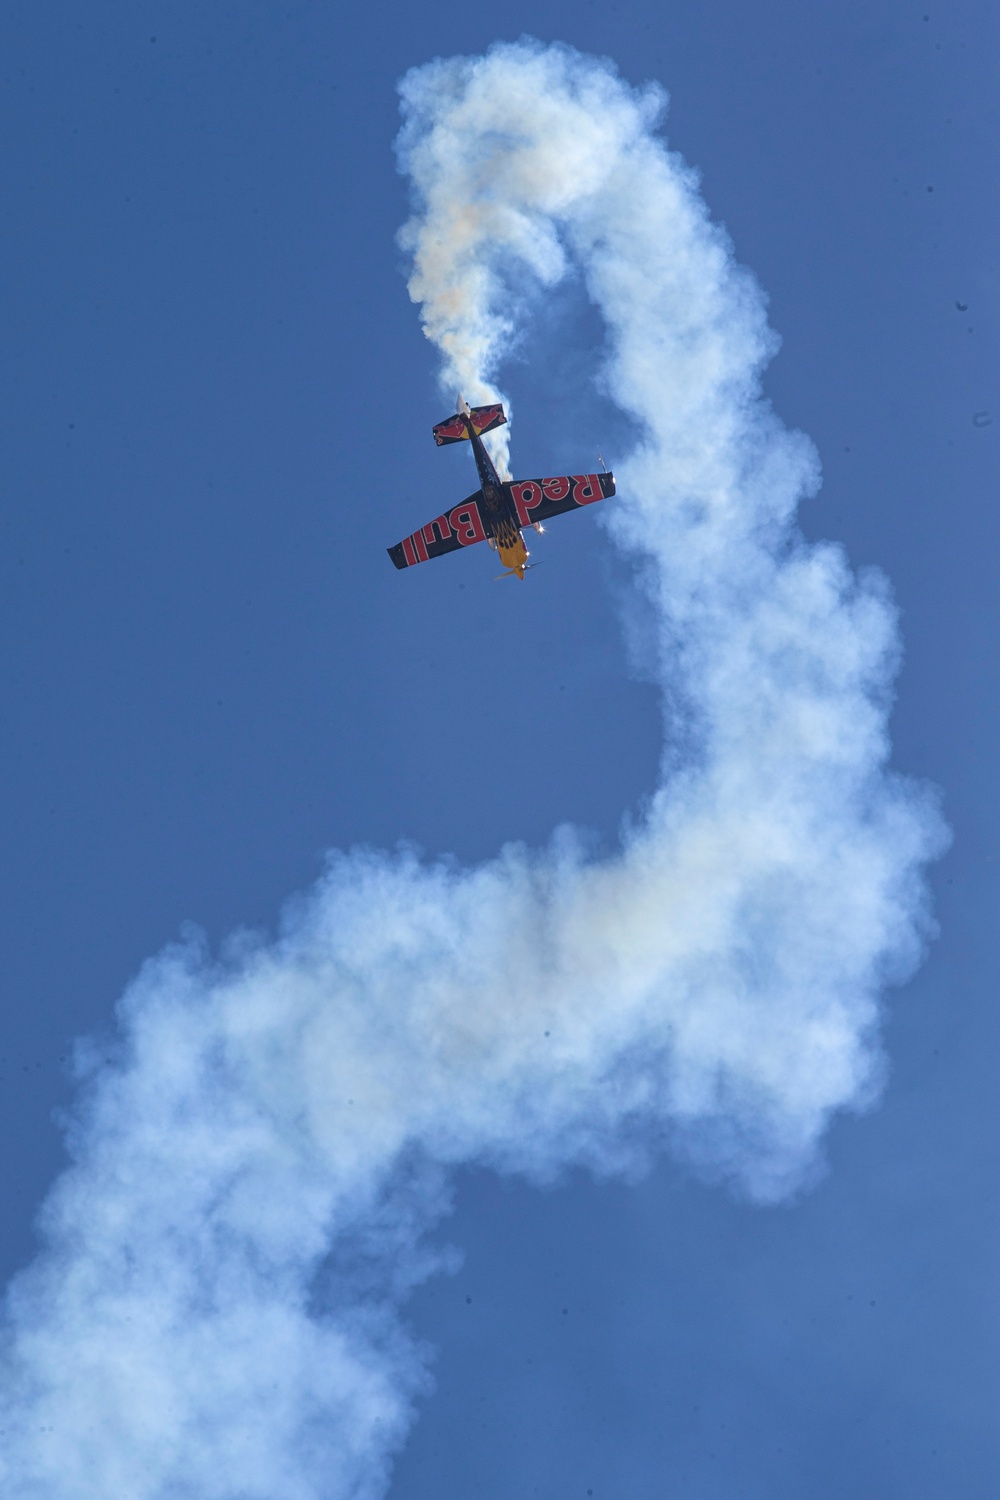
484 419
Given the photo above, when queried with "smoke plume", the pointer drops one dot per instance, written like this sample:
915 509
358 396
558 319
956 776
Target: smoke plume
214 1312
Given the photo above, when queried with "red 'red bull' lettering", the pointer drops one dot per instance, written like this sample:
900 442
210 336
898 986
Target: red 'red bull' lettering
587 488
526 495
442 528
408 552
467 524
419 546
556 489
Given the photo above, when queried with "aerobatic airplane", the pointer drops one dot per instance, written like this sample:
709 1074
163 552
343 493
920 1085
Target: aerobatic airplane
499 510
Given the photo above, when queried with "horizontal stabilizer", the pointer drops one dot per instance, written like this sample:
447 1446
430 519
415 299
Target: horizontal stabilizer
483 418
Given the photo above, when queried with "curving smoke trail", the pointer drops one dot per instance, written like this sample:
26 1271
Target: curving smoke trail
213 1314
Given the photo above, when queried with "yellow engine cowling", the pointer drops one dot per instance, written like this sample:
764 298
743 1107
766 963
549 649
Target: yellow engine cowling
514 556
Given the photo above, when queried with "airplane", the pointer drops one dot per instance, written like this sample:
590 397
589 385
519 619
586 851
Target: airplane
500 510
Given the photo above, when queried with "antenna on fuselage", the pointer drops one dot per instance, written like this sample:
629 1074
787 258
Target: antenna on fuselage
603 464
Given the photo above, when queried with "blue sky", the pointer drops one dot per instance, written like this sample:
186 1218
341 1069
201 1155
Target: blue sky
215 412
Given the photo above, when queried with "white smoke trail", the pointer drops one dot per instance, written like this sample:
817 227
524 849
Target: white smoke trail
213 1312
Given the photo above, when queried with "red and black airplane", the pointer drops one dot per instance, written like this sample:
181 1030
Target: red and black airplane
500 508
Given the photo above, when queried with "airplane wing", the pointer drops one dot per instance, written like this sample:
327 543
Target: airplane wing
462 526
539 499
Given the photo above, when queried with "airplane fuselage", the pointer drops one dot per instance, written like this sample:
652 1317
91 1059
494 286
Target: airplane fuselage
500 519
